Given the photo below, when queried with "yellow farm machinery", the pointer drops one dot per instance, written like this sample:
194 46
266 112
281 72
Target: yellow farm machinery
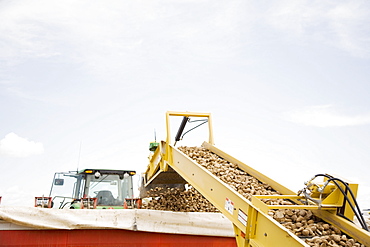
259 219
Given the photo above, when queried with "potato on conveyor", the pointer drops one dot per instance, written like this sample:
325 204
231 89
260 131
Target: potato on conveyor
299 221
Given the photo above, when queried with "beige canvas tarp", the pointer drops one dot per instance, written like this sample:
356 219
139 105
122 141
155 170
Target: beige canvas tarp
193 223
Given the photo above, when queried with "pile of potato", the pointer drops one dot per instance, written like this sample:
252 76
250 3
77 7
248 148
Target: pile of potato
301 222
178 200
229 173
316 232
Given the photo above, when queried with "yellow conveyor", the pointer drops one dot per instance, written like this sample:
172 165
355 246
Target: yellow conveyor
252 225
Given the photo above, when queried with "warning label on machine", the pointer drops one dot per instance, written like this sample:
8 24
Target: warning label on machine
242 217
229 205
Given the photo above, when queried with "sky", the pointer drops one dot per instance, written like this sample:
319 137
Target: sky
86 84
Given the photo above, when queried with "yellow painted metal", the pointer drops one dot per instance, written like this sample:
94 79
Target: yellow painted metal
328 209
188 114
332 195
344 225
311 206
261 177
328 193
154 161
252 226
160 159
327 212
347 210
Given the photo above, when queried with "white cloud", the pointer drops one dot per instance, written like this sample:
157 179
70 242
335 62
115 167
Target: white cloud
325 116
112 39
15 146
108 37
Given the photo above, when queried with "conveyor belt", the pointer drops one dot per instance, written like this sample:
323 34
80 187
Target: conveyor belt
252 224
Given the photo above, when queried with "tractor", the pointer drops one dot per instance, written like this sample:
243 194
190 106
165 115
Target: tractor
91 189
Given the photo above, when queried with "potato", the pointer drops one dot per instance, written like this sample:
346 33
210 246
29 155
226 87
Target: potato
301 222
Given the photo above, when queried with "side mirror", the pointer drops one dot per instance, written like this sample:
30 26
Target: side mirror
58 181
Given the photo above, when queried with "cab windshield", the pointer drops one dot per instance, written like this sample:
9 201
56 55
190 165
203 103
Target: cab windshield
109 189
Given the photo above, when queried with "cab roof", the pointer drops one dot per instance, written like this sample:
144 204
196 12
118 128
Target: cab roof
107 171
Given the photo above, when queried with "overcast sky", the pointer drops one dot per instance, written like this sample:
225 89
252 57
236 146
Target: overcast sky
85 84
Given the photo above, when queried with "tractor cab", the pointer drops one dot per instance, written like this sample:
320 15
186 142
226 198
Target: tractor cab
90 189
